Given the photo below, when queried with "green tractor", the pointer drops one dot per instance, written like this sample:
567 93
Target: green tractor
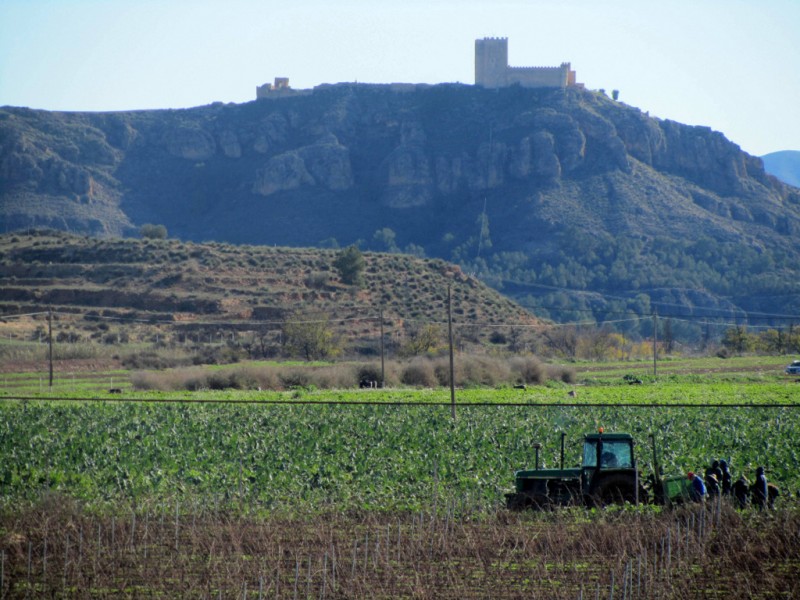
608 475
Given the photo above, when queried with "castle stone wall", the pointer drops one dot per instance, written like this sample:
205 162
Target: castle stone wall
492 70
491 62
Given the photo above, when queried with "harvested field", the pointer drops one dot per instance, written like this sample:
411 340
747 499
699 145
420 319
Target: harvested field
56 549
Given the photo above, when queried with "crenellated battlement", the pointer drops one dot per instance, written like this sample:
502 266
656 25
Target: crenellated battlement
492 69
537 68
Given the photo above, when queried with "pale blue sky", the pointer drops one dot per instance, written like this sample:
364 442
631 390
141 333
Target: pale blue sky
733 65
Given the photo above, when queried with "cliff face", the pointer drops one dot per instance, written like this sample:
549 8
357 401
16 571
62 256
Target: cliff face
428 162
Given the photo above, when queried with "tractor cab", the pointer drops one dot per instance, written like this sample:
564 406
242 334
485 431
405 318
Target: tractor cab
605 453
612 450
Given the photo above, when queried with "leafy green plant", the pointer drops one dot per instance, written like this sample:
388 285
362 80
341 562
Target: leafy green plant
350 264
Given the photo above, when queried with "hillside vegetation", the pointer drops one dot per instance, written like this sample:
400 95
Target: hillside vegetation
183 282
575 205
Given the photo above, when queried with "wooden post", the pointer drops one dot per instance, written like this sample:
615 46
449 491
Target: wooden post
50 342
655 343
450 337
383 368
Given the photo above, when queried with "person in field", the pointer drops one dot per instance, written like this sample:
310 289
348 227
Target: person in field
772 495
712 484
727 479
697 489
715 470
741 490
759 490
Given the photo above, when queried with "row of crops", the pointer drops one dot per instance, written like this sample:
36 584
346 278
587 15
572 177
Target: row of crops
361 457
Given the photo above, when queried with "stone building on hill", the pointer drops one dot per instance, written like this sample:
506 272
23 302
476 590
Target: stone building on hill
492 70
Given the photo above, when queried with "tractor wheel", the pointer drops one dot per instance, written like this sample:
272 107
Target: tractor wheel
516 501
540 502
526 502
618 489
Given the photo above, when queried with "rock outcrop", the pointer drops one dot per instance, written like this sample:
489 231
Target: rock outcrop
427 162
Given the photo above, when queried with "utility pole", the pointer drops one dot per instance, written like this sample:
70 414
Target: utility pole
655 343
383 371
50 341
450 337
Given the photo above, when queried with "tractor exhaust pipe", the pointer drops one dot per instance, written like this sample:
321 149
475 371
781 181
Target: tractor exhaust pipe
536 447
563 435
657 471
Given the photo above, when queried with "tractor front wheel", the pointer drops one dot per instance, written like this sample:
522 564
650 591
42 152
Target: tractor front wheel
518 501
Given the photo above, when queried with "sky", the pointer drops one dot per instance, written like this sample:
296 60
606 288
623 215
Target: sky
732 65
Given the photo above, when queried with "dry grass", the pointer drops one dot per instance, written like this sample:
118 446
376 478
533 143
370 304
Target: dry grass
470 371
58 549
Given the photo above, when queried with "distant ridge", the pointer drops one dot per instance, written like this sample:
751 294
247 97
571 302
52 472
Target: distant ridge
575 205
785 165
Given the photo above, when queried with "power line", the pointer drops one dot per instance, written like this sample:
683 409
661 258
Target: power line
601 295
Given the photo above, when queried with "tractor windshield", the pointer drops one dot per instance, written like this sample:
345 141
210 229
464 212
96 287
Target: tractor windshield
615 454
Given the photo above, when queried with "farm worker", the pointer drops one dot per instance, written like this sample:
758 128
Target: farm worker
697 489
772 494
727 478
716 471
740 491
608 459
712 484
759 489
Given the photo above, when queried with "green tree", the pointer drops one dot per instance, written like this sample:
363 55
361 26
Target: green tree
669 336
311 337
562 340
153 232
387 238
484 238
415 250
426 340
350 264
736 339
772 341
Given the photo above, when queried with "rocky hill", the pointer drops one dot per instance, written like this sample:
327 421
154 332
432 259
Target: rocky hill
173 281
564 199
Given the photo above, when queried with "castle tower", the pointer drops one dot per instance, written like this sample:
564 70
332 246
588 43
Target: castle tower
491 62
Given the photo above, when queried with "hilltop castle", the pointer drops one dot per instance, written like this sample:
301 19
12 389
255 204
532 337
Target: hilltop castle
492 70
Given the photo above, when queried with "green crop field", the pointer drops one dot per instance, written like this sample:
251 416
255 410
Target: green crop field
315 455
380 493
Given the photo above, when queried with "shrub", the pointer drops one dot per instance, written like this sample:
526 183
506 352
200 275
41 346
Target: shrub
153 232
369 372
419 372
350 264
294 378
150 359
335 377
372 372
562 373
441 370
317 280
265 378
483 370
528 369
498 337
218 355
187 379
